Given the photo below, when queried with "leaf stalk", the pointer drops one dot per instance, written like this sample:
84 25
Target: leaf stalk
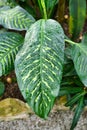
44 8
69 41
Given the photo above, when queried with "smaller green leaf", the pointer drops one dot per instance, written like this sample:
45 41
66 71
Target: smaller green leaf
2 88
79 56
70 90
50 3
78 111
16 18
74 99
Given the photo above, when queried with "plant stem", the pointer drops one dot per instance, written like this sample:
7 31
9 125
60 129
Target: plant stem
44 8
69 41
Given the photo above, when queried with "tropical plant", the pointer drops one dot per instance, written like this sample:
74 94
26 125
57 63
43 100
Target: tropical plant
41 61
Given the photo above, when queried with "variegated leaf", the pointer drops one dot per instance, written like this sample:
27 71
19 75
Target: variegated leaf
16 18
9 45
39 65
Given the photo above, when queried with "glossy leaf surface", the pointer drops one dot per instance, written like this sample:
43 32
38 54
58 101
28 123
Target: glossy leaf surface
9 45
39 65
16 18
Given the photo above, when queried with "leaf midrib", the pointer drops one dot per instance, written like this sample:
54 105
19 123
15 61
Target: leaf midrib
42 37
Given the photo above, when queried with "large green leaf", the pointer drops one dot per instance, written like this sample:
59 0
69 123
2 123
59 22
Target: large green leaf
79 56
16 18
77 10
9 45
39 65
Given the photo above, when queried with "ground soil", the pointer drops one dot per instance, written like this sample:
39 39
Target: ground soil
11 88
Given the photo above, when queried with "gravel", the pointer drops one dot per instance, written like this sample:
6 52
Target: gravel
60 120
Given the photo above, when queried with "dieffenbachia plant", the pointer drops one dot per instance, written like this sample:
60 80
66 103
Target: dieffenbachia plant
40 56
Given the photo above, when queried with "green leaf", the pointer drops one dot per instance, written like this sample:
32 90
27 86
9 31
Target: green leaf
50 3
77 10
69 90
78 111
16 18
10 43
74 99
39 65
79 56
2 88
